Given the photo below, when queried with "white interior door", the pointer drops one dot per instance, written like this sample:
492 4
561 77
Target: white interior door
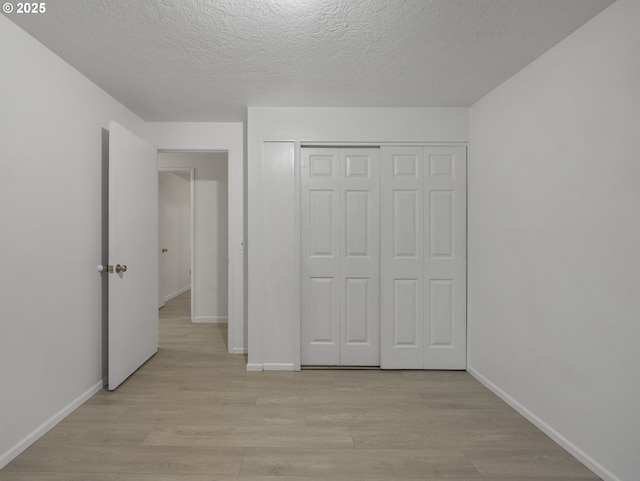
402 257
320 252
133 242
445 258
340 257
360 257
423 257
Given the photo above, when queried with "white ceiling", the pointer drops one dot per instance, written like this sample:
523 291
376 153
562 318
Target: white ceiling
207 60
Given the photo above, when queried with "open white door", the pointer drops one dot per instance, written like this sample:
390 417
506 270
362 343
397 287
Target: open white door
133 242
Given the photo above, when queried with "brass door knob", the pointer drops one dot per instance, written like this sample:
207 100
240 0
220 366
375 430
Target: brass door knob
121 268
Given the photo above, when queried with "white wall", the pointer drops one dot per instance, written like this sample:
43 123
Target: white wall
227 137
273 137
554 236
51 331
210 274
174 219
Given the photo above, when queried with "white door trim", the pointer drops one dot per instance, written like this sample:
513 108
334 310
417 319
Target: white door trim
297 259
232 183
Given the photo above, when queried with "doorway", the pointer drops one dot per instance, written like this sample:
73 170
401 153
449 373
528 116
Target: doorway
175 230
208 220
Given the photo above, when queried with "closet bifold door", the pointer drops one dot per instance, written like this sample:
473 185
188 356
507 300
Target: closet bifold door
423 257
339 257
402 258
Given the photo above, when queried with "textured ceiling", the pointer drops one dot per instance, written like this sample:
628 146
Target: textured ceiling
207 60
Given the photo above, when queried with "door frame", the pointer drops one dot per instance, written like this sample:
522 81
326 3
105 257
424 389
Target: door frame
192 225
231 241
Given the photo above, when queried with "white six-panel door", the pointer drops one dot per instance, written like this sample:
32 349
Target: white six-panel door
383 257
423 257
402 257
340 257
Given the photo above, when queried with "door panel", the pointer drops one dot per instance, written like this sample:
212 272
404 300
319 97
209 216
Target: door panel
423 257
445 266
133 241
441 221
402 240
360 264
406 313
357 214
339 234
320 248
356 311
324 316
406 235
441 298
322 222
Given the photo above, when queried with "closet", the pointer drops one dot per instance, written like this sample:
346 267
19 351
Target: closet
383 257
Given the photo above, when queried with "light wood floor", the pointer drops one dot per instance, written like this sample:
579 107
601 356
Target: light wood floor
193 413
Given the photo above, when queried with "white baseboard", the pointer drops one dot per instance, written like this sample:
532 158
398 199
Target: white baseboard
177 293
239 350
210 320
580 455
271 366
41 430
278 366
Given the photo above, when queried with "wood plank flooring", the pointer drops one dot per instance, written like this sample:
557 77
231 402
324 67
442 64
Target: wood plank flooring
193 413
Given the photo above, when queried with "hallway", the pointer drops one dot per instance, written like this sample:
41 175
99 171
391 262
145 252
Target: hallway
193 413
